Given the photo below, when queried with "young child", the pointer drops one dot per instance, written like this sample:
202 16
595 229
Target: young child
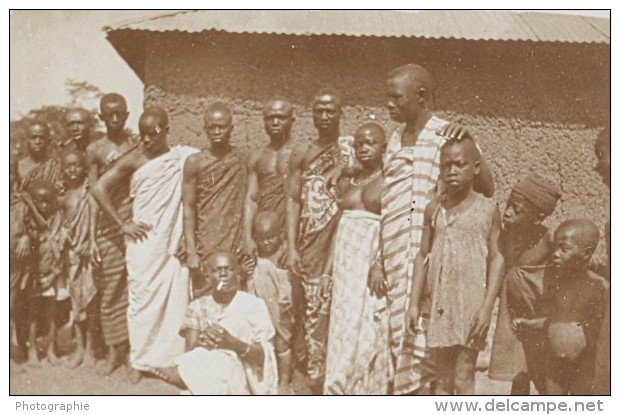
460 259
574 322
525 243
76 207
271 284
46 284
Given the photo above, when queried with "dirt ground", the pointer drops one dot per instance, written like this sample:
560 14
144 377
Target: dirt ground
61 380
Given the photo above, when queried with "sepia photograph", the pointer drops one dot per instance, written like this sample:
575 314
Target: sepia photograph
310 202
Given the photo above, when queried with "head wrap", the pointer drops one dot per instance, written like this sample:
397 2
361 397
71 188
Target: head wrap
539 191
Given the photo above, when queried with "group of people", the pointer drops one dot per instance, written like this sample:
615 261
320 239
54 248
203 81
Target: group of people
371 264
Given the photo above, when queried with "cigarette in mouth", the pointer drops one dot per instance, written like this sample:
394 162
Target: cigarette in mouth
220 285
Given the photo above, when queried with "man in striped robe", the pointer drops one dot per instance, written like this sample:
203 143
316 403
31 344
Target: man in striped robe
411 174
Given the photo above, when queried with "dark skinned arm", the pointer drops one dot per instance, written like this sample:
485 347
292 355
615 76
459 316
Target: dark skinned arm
495 272
250 209
293 208
419 269
122 169
188 196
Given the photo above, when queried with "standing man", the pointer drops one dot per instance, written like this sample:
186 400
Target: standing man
77 125
214 183
158 283
37 164
268 168
109 250
312 217
411 175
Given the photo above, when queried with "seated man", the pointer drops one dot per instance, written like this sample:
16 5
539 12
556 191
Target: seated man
227 339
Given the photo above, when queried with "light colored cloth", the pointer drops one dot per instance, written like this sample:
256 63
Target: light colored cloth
158 284
221 372
411 177
457 272
358 356
271 284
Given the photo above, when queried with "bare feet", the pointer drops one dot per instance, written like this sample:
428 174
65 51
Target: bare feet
77 359
16 368
112 361
89 359
33 358
134 375
51 357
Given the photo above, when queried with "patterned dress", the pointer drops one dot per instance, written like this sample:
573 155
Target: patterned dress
318 221
457 272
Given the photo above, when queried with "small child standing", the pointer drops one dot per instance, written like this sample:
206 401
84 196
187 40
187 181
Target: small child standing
47 284
574 322
76 205
525 243
460 259
271 284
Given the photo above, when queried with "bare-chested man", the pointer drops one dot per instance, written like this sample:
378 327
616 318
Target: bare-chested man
214 182
158 284
109 249
312 217
77 125
268 168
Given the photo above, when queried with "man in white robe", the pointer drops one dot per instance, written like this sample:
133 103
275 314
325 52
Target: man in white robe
158 283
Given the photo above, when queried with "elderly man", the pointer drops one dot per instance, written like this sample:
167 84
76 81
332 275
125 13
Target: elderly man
228 334
411 176
108 250
312 218
158 283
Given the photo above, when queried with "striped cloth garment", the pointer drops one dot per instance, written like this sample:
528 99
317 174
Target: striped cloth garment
411 178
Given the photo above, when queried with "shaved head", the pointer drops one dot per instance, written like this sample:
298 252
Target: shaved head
266 221
372 129
328 95
77 112
112 99
74 153
41 185
39 125
584 232
416 75
155 115
221 254
218 107
278 103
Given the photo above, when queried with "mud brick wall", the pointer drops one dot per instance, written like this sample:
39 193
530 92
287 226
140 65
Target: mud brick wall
532 106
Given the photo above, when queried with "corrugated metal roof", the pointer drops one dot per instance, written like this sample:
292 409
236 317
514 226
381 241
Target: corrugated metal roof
434 24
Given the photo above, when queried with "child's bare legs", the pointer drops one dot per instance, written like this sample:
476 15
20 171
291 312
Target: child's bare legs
284 356
456 370
465 370
444 363
113 359
33 356
50 312
84 352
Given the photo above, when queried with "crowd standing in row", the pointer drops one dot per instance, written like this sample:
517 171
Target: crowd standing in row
371 264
